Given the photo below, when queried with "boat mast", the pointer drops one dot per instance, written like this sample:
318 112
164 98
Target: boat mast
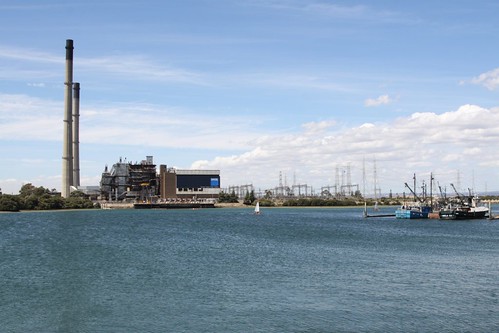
414 178
414 193
431 190
457 193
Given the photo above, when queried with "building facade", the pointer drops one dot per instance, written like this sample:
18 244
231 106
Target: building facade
139 181
189 184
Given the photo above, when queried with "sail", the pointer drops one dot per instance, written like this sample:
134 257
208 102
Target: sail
257 208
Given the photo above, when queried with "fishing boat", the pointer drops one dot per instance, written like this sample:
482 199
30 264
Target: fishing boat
257 208
418 209
465 211
464 208
412 212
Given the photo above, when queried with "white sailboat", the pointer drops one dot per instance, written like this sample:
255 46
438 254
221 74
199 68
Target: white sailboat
257 208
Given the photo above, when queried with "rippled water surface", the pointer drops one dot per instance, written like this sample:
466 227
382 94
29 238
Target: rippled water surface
227 270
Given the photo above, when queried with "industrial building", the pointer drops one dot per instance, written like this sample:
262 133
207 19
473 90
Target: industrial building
127 181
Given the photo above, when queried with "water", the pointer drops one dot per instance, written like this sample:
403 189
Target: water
227 270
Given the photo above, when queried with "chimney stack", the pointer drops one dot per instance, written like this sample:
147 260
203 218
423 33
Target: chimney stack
67 151
76 134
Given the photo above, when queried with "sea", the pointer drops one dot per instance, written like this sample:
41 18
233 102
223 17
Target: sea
228 270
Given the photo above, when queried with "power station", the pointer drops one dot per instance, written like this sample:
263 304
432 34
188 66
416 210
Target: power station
125 181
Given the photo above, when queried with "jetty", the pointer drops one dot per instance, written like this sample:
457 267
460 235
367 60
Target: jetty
366 215
378 215
115 205
174 205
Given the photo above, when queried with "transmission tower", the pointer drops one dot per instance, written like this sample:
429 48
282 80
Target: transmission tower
364 177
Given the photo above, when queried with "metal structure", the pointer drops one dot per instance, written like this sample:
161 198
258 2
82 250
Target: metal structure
240 190
130 181
303 190
114 182
140 182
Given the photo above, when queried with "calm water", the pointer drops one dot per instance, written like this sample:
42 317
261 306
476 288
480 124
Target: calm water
227 270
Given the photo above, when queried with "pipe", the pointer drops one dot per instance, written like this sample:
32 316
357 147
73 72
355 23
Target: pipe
76 135
67 153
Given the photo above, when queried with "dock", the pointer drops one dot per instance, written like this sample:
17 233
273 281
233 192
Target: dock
379 215
174 205
366 215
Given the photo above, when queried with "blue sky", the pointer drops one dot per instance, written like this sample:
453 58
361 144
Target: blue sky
309 89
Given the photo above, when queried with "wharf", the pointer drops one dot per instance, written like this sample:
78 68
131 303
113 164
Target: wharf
174 205
116 205
379 215
366 215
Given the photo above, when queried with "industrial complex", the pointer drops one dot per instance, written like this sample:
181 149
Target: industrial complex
126 181
143 182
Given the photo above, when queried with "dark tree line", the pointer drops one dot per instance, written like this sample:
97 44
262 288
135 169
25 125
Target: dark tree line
249 198
228 198
31 197
318 202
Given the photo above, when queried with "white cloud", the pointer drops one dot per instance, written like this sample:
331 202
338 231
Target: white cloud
338 11
37 85
292 81
25 54
139 67
27 118
383 99
318 127
489 79
136 67
421 143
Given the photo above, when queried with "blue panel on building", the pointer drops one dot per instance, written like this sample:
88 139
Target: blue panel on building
198 181
214 182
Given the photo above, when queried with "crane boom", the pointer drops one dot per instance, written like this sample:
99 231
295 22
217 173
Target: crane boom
413 193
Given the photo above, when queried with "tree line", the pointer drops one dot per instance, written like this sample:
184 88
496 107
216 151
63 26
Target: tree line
31 197
268 200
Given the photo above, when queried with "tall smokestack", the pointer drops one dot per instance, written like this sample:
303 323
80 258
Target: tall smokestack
67 151
76 134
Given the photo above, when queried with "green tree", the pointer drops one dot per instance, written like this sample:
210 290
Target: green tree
268 194
40 198
29 189
9 203
48 201
30 196
77 200
227 198
249 198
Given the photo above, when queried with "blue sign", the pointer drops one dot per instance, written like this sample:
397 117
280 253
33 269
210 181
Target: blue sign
214 182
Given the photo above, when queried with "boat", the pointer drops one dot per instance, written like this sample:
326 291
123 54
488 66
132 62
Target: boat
412 212
418 209
257 208
464 211
464 208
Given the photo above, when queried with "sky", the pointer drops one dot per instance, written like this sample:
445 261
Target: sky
269 92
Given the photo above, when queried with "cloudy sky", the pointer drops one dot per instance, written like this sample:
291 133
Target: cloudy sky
312 90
